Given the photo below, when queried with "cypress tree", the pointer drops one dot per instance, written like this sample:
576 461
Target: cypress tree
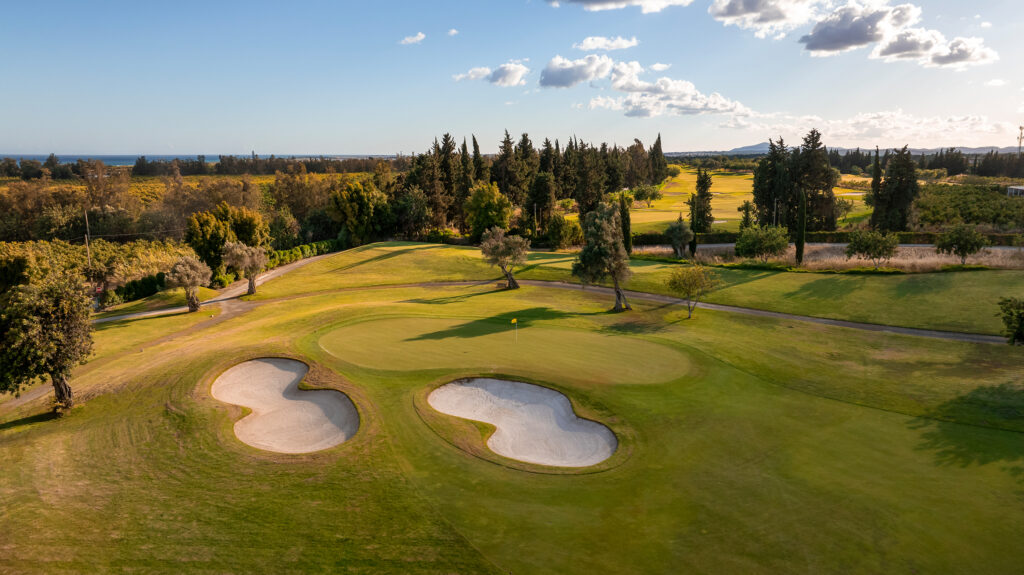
801 228
627 232
876 199
480 172
659 165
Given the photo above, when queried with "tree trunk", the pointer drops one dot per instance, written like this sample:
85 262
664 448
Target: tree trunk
192 295
65 399
252 282
511 282
621 303
690 304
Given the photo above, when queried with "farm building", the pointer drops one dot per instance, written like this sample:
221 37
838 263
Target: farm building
1015 191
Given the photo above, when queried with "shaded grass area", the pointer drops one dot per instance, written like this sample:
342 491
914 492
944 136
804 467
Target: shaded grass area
951 301
758 446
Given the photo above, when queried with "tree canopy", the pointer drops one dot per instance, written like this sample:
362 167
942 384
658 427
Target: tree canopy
504 251
603 254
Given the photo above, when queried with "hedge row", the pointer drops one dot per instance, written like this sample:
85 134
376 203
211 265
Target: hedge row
143 287
281 257
659 239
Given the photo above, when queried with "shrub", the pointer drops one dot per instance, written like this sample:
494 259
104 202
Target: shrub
562 233
1012 311
762 243
961 240
872 245
223 280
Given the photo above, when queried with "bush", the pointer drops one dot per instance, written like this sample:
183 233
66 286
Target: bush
762 243
961 240
872 245
110 298
440 235
223 280
562 233
1012 312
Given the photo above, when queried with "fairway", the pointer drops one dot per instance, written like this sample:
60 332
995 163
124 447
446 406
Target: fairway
745 444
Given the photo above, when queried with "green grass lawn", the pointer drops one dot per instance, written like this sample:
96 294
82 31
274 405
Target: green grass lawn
751 445
952 301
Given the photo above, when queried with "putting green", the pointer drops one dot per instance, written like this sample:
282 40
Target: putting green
410 344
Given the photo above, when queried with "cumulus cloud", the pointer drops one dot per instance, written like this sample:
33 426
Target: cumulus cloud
986 24
659 67
564 73
419 37
766 17
663 96
592 43
961 53
453 32
646 6
890 28
855 25
510 74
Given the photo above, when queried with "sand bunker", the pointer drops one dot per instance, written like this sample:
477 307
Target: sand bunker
285 419
534 424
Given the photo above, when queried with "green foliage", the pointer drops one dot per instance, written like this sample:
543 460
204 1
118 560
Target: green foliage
870 245
893 197
691 283
762 243
207 234
563 233
45 330
249 259
940 205
504 252
487 207
701 218
190 273
961 240
679 235
801 228
1012 312
625 202
361 210
411 213
603 255
647 193
747 209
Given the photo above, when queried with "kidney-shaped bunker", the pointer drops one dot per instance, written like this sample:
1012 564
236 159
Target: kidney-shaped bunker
284 418
533 424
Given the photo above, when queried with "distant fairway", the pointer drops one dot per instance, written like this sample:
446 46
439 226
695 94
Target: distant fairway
747 444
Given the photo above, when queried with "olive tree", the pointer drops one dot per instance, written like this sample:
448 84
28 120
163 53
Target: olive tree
871 245
46 331
249 259
190 273
603 254
762 242
961 240
679 235
691 283
504 251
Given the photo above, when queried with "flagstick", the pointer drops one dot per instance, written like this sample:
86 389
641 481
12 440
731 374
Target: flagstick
517 331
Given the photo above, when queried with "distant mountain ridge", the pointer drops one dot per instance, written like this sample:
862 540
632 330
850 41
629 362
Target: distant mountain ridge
762 148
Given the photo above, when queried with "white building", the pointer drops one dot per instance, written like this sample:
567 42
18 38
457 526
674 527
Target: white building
1015 191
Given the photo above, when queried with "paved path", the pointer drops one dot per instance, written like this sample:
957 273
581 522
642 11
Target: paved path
233 291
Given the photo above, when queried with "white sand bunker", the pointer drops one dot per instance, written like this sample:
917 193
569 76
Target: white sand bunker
534 424
285 419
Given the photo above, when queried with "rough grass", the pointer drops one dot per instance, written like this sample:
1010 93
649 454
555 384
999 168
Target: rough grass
168 298
771 447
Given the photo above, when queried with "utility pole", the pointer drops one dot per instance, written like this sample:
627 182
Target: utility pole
88 252
1020 140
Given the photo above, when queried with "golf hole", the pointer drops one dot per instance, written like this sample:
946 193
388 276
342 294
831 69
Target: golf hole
533 424
285 419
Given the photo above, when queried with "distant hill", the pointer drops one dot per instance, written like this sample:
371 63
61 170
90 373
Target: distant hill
762 148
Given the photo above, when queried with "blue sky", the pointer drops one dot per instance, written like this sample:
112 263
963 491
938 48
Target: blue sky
336 77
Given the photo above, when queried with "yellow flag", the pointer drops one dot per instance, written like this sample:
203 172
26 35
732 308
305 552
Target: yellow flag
514 320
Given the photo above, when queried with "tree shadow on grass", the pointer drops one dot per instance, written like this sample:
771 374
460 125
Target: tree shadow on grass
454 298
385 256
499 323
994 430
916 285
28 420
827 288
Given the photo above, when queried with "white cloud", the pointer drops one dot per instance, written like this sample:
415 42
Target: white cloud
646 6
909 43
509 74
473 74
413 39
986 24
564 73
659 67
661 97
453 32
961 53
855 25
996 83
766 17
592 43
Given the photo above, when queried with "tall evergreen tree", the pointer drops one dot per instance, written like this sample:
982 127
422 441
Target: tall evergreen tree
773 186
506 172
659 165
480 171
465 184
638 171
700 204
877 199
901 188
590 179
801 227
627 232
814 179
